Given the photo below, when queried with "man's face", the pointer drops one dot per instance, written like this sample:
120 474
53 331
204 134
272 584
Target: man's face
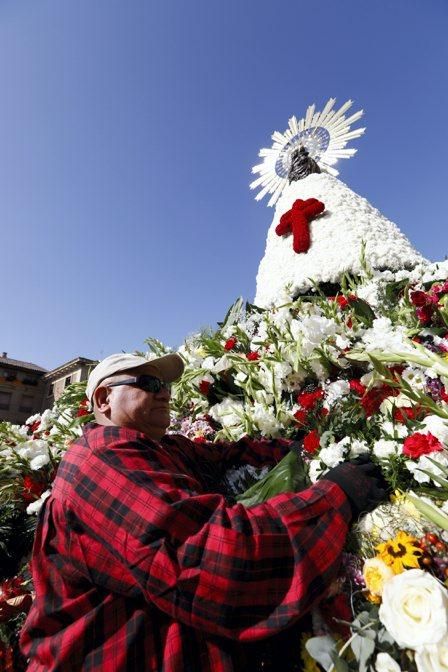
129 406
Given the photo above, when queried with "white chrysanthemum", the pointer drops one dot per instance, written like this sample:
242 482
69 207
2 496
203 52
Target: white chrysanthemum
35 448
335 391
318 369
314 331
265 420
389 404
385 337
315 470
343 342
437 427
47 419
423 463
415 377
271 376
384 448
281 317
358 447
228 412
36 506
335 452
216 365
393 430
370 292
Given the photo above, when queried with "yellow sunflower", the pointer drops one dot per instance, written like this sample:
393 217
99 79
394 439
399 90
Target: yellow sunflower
402 552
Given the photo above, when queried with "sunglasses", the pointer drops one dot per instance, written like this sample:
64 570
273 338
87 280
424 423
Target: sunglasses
144 382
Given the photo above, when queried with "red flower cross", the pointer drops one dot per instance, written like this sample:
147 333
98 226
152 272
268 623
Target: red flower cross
298 221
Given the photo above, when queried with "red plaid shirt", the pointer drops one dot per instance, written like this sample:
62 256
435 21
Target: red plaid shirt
138 566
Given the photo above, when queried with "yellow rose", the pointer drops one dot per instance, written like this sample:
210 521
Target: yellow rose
376 573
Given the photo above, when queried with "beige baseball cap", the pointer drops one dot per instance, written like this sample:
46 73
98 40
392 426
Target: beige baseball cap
170 368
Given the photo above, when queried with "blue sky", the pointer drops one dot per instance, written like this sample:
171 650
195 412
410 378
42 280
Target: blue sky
128 131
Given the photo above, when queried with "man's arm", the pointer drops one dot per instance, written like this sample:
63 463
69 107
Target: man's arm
257 452
227 570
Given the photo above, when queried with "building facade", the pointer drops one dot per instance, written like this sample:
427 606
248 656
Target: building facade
27 388
74 371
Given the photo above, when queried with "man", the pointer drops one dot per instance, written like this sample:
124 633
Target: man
140 565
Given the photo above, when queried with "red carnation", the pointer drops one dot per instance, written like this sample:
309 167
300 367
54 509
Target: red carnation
357 387
373 399
230 343
252 356
424 313
204 387
421 444
308 400
344 301
83 408
406 413
311 442
301 416
419 298
444 395
32 489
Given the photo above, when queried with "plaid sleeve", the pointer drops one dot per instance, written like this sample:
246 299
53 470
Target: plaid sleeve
256 452
230 571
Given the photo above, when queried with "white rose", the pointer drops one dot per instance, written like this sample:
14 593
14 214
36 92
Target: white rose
385 663
433 658
415 609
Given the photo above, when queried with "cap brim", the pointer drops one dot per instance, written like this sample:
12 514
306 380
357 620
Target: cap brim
171 367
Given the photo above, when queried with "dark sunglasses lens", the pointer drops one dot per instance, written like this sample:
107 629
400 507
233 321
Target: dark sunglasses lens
152 384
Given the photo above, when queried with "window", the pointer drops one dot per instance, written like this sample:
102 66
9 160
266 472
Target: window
26 403
5 400
67 381
30 380
51 390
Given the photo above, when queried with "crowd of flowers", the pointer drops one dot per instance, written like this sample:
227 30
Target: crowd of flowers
357 369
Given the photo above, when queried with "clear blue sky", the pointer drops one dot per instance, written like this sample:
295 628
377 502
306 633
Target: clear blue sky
128 130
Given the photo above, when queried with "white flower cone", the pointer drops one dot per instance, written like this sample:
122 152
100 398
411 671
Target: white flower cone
336 241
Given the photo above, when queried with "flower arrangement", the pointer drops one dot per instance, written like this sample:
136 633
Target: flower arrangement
356 370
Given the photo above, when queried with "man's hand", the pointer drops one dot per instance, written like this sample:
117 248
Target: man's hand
363 483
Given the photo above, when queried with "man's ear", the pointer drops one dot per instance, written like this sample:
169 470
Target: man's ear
101 399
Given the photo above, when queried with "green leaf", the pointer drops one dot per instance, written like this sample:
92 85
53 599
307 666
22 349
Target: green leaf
363 646
289 475
233 315
363 311
339 665
322 649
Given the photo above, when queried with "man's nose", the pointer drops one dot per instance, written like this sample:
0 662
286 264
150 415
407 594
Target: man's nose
164 393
